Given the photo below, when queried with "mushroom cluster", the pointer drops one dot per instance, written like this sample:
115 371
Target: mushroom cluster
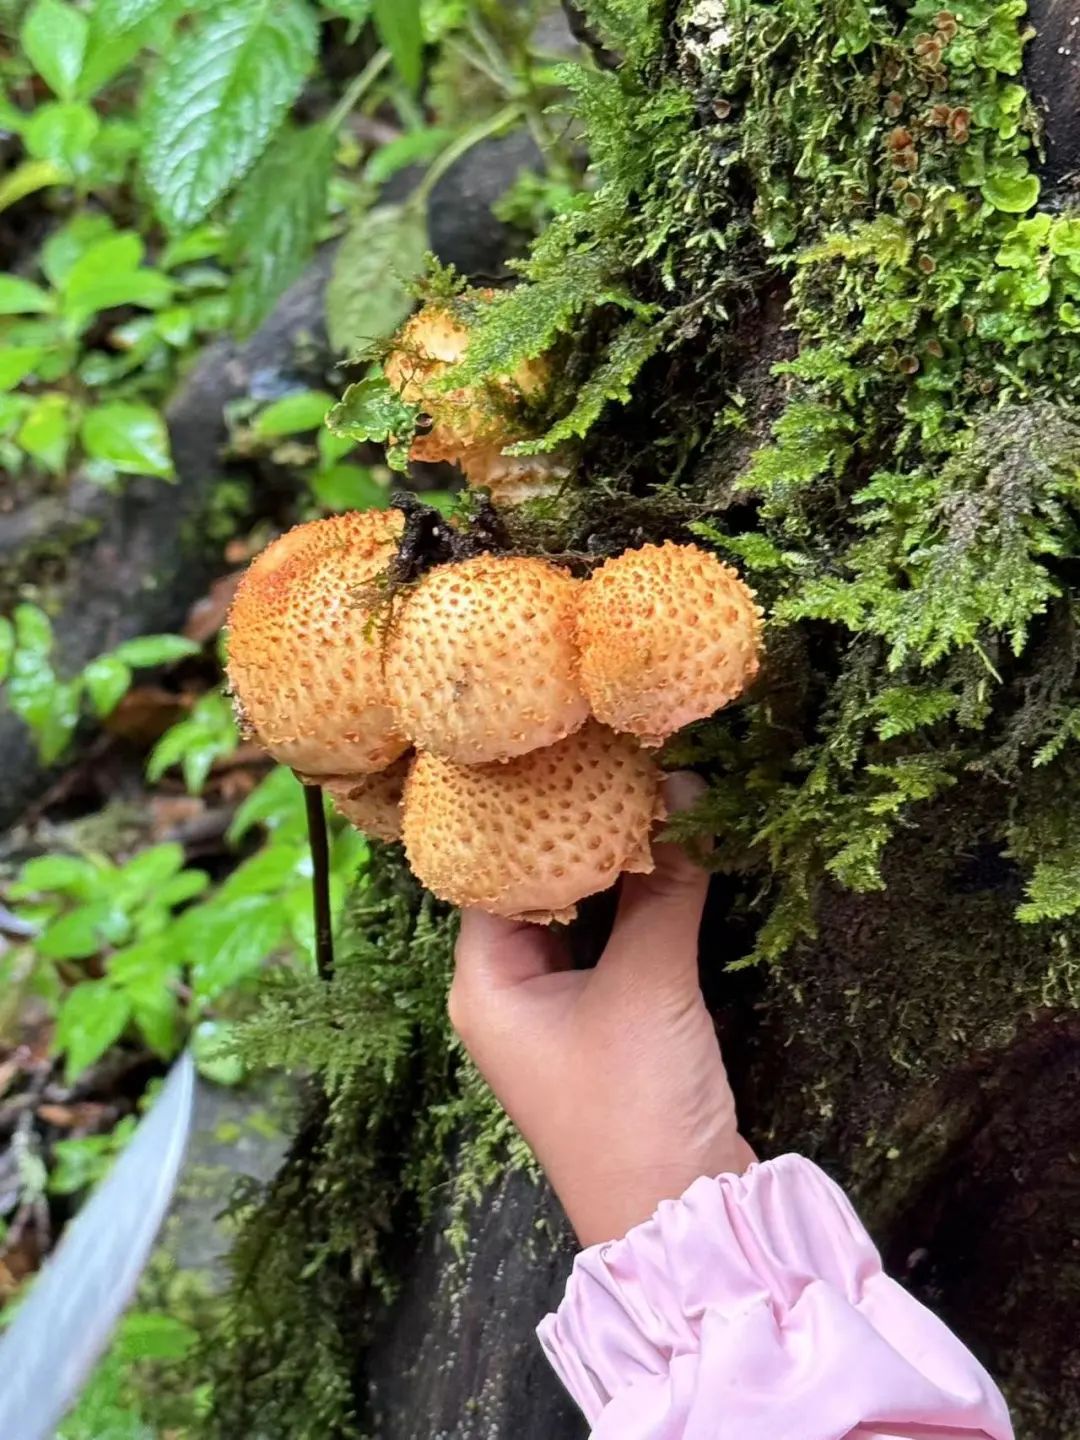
497 715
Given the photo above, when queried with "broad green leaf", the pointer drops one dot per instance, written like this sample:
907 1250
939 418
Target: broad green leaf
198 244
23 297
278 801
7 646
149 1335
139 878
19 361
349 487
276 219
63 874
1013 194
131 437
147 650
175 325
268 872
64 247
368 295
93 1017
218 98
181 888
119 29
84 932
107 681
110 273
33 629
31 175
294 414
45 434
401 31
13 409
228 943
53 35
115 16
63 132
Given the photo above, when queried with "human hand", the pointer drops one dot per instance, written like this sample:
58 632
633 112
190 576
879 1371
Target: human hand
614 1075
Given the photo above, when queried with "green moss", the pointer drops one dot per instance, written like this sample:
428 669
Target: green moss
390 1093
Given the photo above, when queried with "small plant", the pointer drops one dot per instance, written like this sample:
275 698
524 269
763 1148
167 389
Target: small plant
51 706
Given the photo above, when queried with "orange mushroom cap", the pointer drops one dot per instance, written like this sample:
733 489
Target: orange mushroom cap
304 664
668 635
482 663
530 838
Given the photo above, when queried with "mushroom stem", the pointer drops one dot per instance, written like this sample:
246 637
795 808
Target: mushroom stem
320 880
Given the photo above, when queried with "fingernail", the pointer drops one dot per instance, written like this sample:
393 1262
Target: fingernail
682 791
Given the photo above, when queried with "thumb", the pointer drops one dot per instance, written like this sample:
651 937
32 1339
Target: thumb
655 938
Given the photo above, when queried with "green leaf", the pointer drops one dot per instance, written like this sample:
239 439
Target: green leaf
64 875
373 410
115 16
45 433
277 216
147 650
131 437
229 943
19 361
278 801
294 414
1013 194
85 932
108 273
349 487
196 743
63 132
70 242
31 175
92 1018
34 629
53 35
23 297
148 1335
399 26
368 296
107 681
7 646
219 97
415 147
141 877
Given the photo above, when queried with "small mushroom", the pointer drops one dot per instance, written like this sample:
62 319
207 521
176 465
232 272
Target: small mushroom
668 635
372 802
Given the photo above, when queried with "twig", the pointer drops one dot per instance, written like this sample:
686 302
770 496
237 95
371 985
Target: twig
320 881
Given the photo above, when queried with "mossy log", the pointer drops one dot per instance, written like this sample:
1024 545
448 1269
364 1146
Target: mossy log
829 189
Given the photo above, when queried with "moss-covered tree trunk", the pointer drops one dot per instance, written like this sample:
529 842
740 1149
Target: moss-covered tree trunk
821 312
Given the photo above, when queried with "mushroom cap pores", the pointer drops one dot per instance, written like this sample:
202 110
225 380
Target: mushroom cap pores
668 635
481 660
530 838
304 663
372 803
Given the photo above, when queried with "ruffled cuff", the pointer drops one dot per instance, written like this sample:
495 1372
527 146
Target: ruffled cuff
756 1307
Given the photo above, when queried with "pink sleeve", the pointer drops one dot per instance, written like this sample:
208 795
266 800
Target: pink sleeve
756 1308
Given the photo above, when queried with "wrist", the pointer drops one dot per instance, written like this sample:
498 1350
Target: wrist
610 1204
